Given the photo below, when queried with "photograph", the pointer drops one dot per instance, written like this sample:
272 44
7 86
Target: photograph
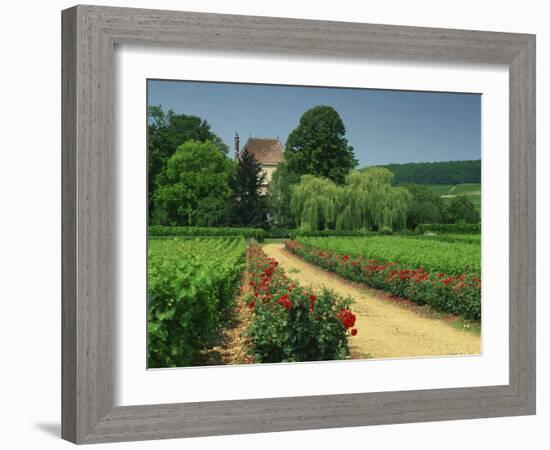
291 224
265 225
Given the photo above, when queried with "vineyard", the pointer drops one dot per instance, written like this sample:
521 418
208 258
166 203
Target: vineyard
452 238
442 274
193 285
200 287
191 288
433 254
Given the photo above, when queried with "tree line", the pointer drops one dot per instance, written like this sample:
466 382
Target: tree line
192 182
445 172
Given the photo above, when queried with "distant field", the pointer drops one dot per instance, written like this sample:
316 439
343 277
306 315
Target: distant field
441 189
471 190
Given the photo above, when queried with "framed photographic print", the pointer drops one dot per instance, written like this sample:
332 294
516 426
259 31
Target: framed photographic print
268 222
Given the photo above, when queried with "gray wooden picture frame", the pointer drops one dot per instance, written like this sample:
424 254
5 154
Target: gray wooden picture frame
90 34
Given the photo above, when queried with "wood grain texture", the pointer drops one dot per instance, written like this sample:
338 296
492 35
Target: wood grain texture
89 36
523 224
68 226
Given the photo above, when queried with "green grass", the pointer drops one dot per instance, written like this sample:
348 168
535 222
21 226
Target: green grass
470 190
467 189
440 189
460 323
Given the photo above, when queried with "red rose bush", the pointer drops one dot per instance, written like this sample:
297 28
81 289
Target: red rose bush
290 322
457 294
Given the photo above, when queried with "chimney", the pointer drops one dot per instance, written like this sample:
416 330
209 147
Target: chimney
237 140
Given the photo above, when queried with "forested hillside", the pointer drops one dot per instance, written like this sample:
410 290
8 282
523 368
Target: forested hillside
447 172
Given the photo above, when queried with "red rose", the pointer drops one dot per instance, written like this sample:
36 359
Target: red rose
354 331
285 302
347 318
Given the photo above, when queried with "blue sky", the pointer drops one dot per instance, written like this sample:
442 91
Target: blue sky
383 126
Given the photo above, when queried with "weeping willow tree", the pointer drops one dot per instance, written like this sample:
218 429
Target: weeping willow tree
366 201
388 207
313 203
369 201
353 205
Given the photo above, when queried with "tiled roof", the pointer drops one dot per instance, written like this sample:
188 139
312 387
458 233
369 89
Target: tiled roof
266 151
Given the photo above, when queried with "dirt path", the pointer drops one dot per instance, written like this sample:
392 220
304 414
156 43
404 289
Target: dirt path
386 329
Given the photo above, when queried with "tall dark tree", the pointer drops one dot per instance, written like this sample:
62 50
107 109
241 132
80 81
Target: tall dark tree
279 194
166 132
460 210
318 146
425 206
248 204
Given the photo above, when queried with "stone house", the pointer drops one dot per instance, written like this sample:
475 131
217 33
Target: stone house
268 152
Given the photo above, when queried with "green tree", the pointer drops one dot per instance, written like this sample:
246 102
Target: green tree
444 172
425 207
279 194
194 188
313 203
248 204
318 145
367 201
460 210
167 131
